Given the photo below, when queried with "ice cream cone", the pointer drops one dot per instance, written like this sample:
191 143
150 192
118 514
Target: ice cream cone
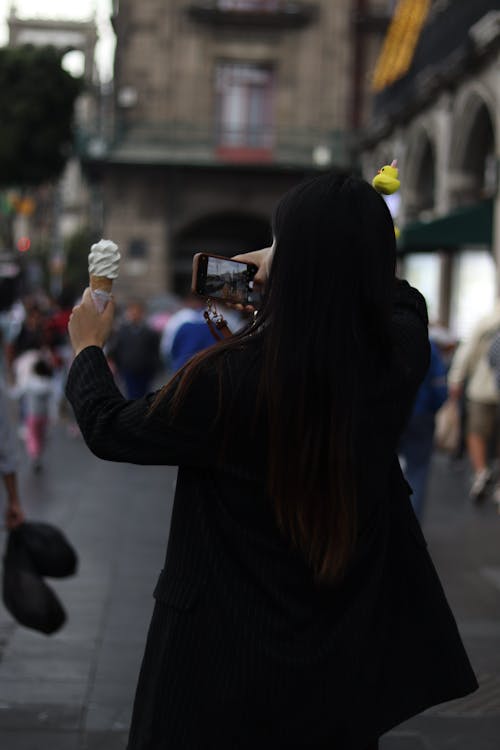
100 286
101 283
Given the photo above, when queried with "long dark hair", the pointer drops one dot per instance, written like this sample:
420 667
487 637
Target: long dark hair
325 317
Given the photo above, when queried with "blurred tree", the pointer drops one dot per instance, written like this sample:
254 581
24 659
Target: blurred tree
37 99
76 271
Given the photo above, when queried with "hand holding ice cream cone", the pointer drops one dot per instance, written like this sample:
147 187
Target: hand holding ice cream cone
104 262
87 326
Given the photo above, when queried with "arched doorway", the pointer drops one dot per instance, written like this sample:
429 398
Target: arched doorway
479 156
421 178
473 179
422 268
473 154
222 234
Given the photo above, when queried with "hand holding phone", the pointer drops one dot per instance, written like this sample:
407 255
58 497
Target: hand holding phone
260 258
220 278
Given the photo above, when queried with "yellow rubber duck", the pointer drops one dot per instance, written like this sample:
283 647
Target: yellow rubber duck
386 180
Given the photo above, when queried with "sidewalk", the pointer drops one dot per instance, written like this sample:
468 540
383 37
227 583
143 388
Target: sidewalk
465 545
74 690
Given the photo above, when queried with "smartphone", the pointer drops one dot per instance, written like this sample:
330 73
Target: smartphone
221 278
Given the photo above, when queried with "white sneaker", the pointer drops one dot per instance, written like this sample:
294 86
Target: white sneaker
479 485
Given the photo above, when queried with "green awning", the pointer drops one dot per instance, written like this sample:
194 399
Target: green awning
469 225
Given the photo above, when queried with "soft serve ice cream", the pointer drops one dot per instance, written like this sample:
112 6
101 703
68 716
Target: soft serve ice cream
104 262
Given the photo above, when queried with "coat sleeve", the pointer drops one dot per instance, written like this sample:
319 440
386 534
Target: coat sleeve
411 353
116 429
411 333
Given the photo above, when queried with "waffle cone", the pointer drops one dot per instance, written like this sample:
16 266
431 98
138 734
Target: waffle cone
101 283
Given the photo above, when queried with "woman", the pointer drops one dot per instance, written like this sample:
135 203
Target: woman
298 606
13 515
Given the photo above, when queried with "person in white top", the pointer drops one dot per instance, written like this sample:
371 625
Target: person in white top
37 394
13 514
470 369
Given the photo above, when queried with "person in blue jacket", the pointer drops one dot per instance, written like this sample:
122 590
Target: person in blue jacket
417 440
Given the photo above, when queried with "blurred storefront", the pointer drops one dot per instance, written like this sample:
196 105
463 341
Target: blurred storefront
437 110
220 107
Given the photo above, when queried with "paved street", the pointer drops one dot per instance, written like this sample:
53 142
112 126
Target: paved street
74 690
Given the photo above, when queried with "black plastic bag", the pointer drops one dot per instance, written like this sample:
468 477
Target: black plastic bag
25 594
49 550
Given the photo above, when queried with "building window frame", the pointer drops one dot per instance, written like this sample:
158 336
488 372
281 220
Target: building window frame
245 108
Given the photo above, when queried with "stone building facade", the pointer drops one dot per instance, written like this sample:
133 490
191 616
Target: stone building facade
441 119
219 108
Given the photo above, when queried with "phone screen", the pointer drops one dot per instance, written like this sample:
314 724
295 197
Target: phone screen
227 279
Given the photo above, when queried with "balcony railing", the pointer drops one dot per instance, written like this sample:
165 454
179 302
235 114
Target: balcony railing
194 145
278 14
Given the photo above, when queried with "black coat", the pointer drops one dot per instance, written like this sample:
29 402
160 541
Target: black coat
244 650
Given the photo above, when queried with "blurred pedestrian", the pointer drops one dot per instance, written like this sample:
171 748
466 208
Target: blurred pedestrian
10 324
56 328
417 441
445 341
185 334
298 605
37 393
8 464
471 372
134 350
61 355
32 335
